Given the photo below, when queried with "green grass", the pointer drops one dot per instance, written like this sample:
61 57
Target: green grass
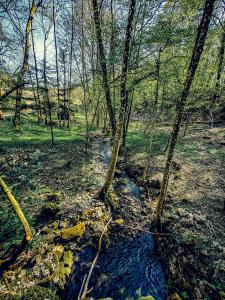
31 132
139 142
187 147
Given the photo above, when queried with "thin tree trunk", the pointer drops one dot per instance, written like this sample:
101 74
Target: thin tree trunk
118 138
71 57
46 90
216 95
23 70
197 51
103 66
36 76
56 53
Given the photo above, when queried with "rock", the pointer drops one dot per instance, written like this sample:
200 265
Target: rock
49 210
142 189
123 181
119 221
75 231
199 219
125 191
182 212
154 183
118 172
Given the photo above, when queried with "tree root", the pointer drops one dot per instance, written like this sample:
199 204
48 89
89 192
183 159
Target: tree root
108 198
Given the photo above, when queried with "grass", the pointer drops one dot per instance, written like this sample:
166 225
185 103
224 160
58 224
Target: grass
187 147
31 132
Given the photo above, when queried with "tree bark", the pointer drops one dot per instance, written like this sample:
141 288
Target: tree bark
23 70
119 132
103 65
56 53
197 51
216 95
36 76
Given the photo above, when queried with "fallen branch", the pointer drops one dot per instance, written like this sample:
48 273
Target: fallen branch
84 288
5 263
144 230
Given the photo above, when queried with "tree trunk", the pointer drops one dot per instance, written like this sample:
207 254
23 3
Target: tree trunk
103 65
118 138
48 104
56 53
23 70
36 76
216 95
197 51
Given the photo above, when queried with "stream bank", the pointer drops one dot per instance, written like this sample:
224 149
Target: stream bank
66 238
129 266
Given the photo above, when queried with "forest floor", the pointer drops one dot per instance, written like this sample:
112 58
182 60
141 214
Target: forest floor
59 200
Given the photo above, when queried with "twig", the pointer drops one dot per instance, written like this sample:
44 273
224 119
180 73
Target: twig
147 231
7 282
84 288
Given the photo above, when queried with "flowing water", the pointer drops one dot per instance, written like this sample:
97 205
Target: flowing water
130 267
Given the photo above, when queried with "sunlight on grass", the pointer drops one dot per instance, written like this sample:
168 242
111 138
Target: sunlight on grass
32 132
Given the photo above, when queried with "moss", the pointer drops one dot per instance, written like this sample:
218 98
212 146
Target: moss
68 259
49 210
86 213
53 197
37 293
174 296
125 191
146 298
124 181
119 221
63 269
58 251
74 231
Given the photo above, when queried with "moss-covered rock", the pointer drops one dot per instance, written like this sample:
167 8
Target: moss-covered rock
53 197
123 181
63 269
75 231
49 210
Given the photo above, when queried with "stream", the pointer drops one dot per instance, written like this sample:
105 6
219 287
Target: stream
130 267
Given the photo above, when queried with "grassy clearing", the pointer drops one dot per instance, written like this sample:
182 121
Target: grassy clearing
31 132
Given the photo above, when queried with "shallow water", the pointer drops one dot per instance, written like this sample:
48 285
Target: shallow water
130 267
